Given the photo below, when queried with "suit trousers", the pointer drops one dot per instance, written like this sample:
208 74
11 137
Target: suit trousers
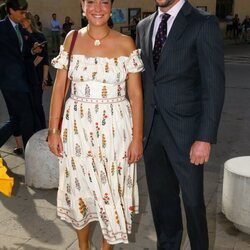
169 171
19 107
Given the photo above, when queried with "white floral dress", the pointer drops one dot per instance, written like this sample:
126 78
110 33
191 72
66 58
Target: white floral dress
96 182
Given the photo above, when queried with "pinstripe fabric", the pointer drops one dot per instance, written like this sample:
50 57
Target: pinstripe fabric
188 85
187 90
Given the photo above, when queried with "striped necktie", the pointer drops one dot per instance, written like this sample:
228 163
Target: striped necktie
160 38
19 36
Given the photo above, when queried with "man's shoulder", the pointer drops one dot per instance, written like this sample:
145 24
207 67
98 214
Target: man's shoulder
198 17
145 21
3 23
201 15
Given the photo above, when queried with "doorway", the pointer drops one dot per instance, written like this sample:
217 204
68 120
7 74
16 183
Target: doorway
224 8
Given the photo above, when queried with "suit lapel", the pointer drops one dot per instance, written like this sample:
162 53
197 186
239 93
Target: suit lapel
12 33
179 26
148 39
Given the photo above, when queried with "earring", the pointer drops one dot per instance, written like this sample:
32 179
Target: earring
110 14
83 14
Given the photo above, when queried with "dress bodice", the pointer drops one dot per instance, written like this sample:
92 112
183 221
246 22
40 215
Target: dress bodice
98 77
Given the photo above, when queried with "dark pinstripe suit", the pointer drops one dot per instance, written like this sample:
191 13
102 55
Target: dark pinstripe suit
183 100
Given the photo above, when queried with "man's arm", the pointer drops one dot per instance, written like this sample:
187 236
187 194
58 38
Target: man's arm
211 64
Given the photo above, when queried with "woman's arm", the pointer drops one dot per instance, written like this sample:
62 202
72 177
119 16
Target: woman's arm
58 94
134 88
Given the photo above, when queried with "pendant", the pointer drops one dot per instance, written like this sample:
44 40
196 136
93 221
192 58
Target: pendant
97 42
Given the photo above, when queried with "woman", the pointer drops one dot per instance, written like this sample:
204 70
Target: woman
38 22
67 26
97 148
39 77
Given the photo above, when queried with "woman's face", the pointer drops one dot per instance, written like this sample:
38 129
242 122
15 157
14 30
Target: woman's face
26 23
97 11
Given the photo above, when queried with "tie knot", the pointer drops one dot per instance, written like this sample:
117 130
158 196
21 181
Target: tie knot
165 17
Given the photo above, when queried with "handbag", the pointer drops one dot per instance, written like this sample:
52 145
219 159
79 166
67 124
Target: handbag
67 81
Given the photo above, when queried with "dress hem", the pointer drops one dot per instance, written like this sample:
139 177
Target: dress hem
63 216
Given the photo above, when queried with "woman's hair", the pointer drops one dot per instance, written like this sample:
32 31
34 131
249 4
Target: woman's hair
31 18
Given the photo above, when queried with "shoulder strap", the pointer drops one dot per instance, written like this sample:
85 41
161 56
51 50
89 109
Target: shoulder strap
72 44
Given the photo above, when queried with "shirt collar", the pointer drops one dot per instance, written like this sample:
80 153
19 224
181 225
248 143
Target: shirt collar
13 23
173 12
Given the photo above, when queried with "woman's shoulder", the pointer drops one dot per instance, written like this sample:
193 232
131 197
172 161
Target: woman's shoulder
125 41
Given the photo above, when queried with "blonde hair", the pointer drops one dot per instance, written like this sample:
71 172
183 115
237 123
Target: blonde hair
30 17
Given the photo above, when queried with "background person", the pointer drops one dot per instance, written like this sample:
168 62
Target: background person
14 51
67 26
39 67
55 32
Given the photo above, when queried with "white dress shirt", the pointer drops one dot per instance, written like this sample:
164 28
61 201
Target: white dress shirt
173 12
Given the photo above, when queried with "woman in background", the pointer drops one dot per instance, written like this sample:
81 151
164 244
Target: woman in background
38 74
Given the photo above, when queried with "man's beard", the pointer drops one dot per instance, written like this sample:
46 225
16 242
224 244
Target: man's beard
165 4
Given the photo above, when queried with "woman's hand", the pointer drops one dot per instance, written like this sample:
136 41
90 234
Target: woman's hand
55 144
135 151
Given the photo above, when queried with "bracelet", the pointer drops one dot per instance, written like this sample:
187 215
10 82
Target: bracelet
55 131
54 117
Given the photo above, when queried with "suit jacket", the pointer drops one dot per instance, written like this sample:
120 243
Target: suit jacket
12 59
187 89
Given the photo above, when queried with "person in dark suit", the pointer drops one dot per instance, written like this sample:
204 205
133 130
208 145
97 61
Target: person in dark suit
13 81
38 65
184 86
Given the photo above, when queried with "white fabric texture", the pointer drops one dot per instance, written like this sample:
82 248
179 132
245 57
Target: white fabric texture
96 182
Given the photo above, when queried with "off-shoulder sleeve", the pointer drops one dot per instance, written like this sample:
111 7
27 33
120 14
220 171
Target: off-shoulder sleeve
134 63
61 61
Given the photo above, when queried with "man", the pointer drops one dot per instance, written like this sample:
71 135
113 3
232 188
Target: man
13 81
183 86
55 31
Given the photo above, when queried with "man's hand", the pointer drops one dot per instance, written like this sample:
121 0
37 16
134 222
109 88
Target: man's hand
200 152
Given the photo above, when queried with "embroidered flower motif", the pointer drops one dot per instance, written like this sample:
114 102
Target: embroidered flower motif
77 183
104 92
87 91
68 201
97 130
66 172
81 111
65 135
119 169
106 198
104 117
89 116
73 163
103 178
82 207
91 139
78 150
104 216
75 106
104 142
75 128
129 182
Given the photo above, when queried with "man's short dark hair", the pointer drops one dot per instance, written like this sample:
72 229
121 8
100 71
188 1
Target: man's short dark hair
16 5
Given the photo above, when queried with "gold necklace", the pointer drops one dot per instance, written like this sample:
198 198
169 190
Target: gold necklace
97 42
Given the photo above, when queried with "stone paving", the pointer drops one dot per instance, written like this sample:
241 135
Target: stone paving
28 219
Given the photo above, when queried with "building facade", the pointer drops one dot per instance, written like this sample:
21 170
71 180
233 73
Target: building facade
124 10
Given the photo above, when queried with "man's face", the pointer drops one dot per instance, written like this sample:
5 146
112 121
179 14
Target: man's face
54 16
165 3
17 15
